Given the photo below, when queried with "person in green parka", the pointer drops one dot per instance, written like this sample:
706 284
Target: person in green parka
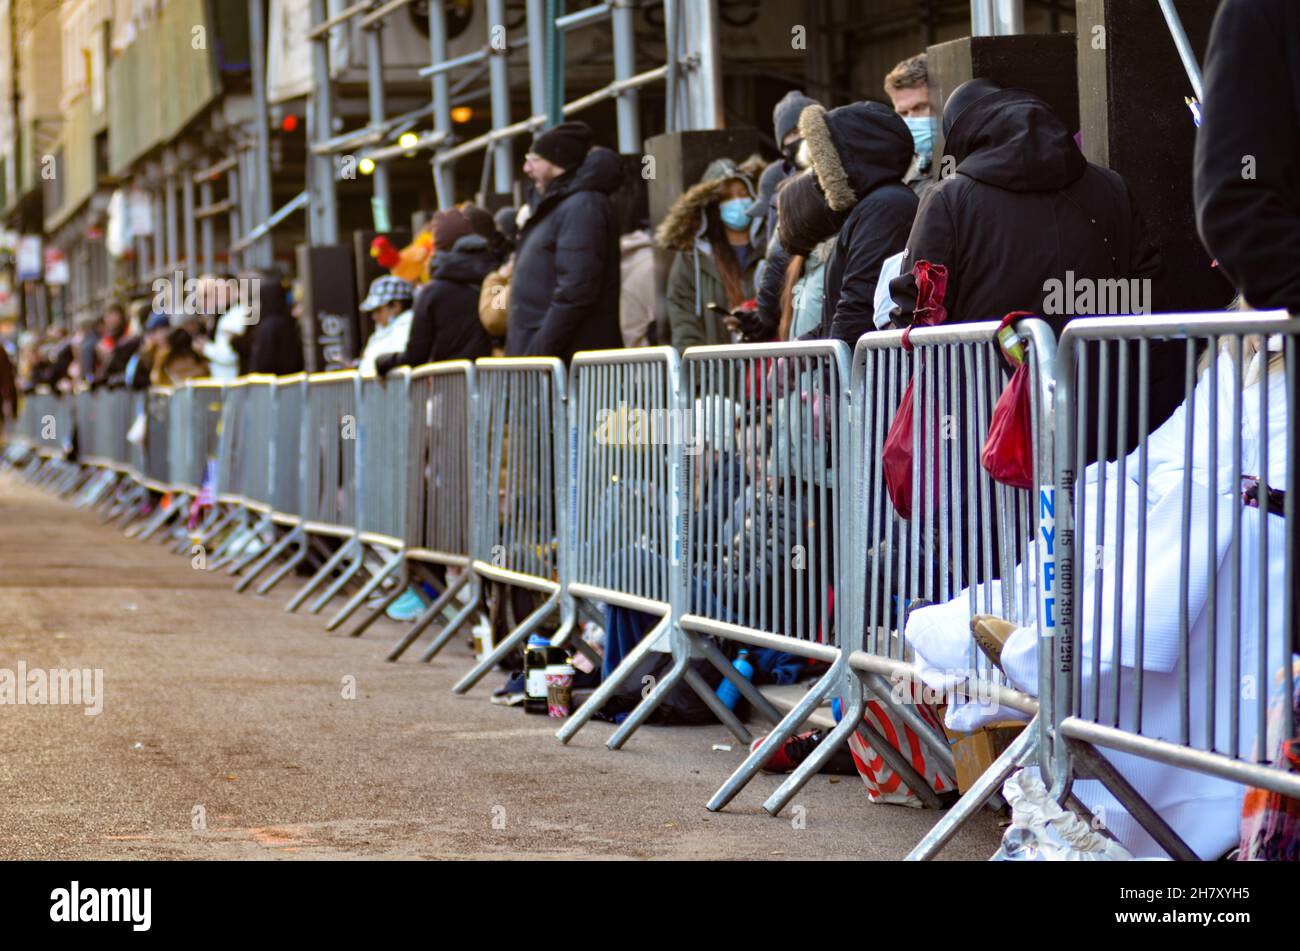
718 247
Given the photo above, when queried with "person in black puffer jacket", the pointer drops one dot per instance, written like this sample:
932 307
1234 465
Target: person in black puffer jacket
277 340
445 324
564 290
860 153
1023 208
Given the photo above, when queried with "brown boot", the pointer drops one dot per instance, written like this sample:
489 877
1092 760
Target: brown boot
991 634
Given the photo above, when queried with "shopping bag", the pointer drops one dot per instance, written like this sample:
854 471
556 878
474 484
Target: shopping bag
1008 453
896 455
1042 831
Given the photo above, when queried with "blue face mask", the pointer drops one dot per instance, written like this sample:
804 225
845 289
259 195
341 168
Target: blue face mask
735 213
922 129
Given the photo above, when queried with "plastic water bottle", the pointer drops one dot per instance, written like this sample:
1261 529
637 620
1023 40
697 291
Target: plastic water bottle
728 692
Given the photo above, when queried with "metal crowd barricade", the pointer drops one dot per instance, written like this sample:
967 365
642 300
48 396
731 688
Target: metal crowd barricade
382 530
331 426
285 461
521 512
763 487
1174 611
440 415
629 433
248 420
970 539
203 431
157 438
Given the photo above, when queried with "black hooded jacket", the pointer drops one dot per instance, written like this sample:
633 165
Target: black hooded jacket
277 339
861 173
1251 223
564 289
444 318
1023 210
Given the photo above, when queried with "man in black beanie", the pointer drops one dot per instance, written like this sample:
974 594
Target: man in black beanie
564 289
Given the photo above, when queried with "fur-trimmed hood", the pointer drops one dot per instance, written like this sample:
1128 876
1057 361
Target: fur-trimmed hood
682 223
854 149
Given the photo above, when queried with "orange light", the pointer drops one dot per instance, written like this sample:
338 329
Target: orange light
462 114
289 123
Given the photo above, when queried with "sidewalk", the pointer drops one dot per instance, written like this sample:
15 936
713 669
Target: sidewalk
222 711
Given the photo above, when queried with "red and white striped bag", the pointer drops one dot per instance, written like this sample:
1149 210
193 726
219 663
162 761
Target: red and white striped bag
883 784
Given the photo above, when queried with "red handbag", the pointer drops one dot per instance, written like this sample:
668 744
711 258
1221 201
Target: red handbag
896 456
1008 453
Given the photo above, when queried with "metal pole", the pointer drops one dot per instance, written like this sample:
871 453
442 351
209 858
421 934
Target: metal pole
554 64
629 119
1185 51
159 222
261 252
499 90
324 200
375 74
232 196
672 83
173 233
206 228
537 56
1009 17
442 172
704 82
187 213
981 17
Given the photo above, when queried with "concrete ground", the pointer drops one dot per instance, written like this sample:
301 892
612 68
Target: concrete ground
225 734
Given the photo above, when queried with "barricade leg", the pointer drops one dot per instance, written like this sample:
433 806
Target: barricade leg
238 561
358 552
298 536
648 704
454 624
233 540
394 563
783 731
269 556
725 714
164 515
426 617
852 720
1022 751
762 706
516 637
316 580
1150 820
580 717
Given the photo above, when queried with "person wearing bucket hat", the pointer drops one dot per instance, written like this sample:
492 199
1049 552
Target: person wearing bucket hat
564 284
719 247
388 304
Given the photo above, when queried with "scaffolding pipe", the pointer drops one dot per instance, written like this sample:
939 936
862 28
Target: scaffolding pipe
536 57
1009 17
628 107
261 253
375 75
1185 51
324 201
442 174
187 214
499 87
554 63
